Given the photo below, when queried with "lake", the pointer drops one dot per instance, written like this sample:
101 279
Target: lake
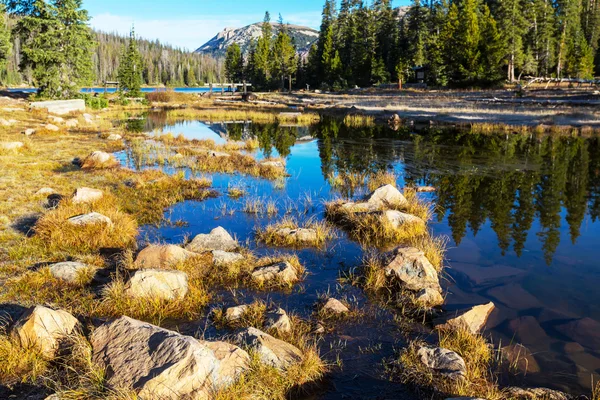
521 213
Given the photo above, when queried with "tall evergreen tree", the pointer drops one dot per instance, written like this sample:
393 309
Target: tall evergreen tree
56 45
234 64
284 62
130 68
513 24
5 39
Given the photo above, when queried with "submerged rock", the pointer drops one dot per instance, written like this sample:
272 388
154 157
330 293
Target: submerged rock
282 271
217 239
410 266
443 361
473 318
68 271
277 318
535 394
159 363
221 258
160 256
271 351
158 284
44 328
86 195
386 196
334 306
92 218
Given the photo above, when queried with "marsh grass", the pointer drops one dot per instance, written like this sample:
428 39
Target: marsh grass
381 178
59 235
238 114
272 235
253 316
19 364
359 120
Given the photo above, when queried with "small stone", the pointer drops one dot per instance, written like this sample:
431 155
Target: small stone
90 219
99 159
520 357
282 271
410 266
114 137
86 195
278 319
44 328
4 122
11 146
443 361
473 318
51 127
398 219
515 393
319 328
161 256
425 189
335 306
217 239
158 284
55 119
235 313
29 132
68 271
271 351
222 258
386 196
72 123
300 235
273 164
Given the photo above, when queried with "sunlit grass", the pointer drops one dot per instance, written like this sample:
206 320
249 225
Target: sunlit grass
278 234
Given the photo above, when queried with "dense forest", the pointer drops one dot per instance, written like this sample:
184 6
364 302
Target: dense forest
456 43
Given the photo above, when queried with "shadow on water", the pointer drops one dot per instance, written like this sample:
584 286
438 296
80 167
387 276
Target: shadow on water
521 211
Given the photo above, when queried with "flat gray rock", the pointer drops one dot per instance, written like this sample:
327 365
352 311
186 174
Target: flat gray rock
68 271
443 361
92 218
282 271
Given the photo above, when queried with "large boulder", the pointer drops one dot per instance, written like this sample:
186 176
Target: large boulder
92 218
162 364
281 271
68 271
60 107
217 239
276 318
161 256
99 160
410 266
44 329
386 196
443 361
397 218
86 195
157 284
472 318
271 351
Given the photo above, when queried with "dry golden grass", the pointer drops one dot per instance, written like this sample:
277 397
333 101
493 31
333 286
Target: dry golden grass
240 114
19 364
359 120
381 178
272 236
60 235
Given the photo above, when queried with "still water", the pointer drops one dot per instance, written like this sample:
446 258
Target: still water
521 212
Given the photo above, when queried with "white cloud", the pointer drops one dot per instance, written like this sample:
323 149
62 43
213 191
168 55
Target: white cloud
188 33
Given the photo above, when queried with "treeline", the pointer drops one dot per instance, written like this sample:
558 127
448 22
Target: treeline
460 42
29 30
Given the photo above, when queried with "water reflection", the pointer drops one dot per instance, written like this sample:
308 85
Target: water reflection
522 212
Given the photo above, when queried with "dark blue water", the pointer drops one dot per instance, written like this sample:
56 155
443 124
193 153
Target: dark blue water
522 214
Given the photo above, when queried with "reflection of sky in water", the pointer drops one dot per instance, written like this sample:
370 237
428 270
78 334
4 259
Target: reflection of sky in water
192 130
536 302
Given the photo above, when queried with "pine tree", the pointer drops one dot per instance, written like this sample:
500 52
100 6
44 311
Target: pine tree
234 64
328 18
262 55
56 46
130 68
513 24
492 48
284 62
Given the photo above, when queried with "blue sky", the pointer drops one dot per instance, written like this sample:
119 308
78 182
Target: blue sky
189 24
